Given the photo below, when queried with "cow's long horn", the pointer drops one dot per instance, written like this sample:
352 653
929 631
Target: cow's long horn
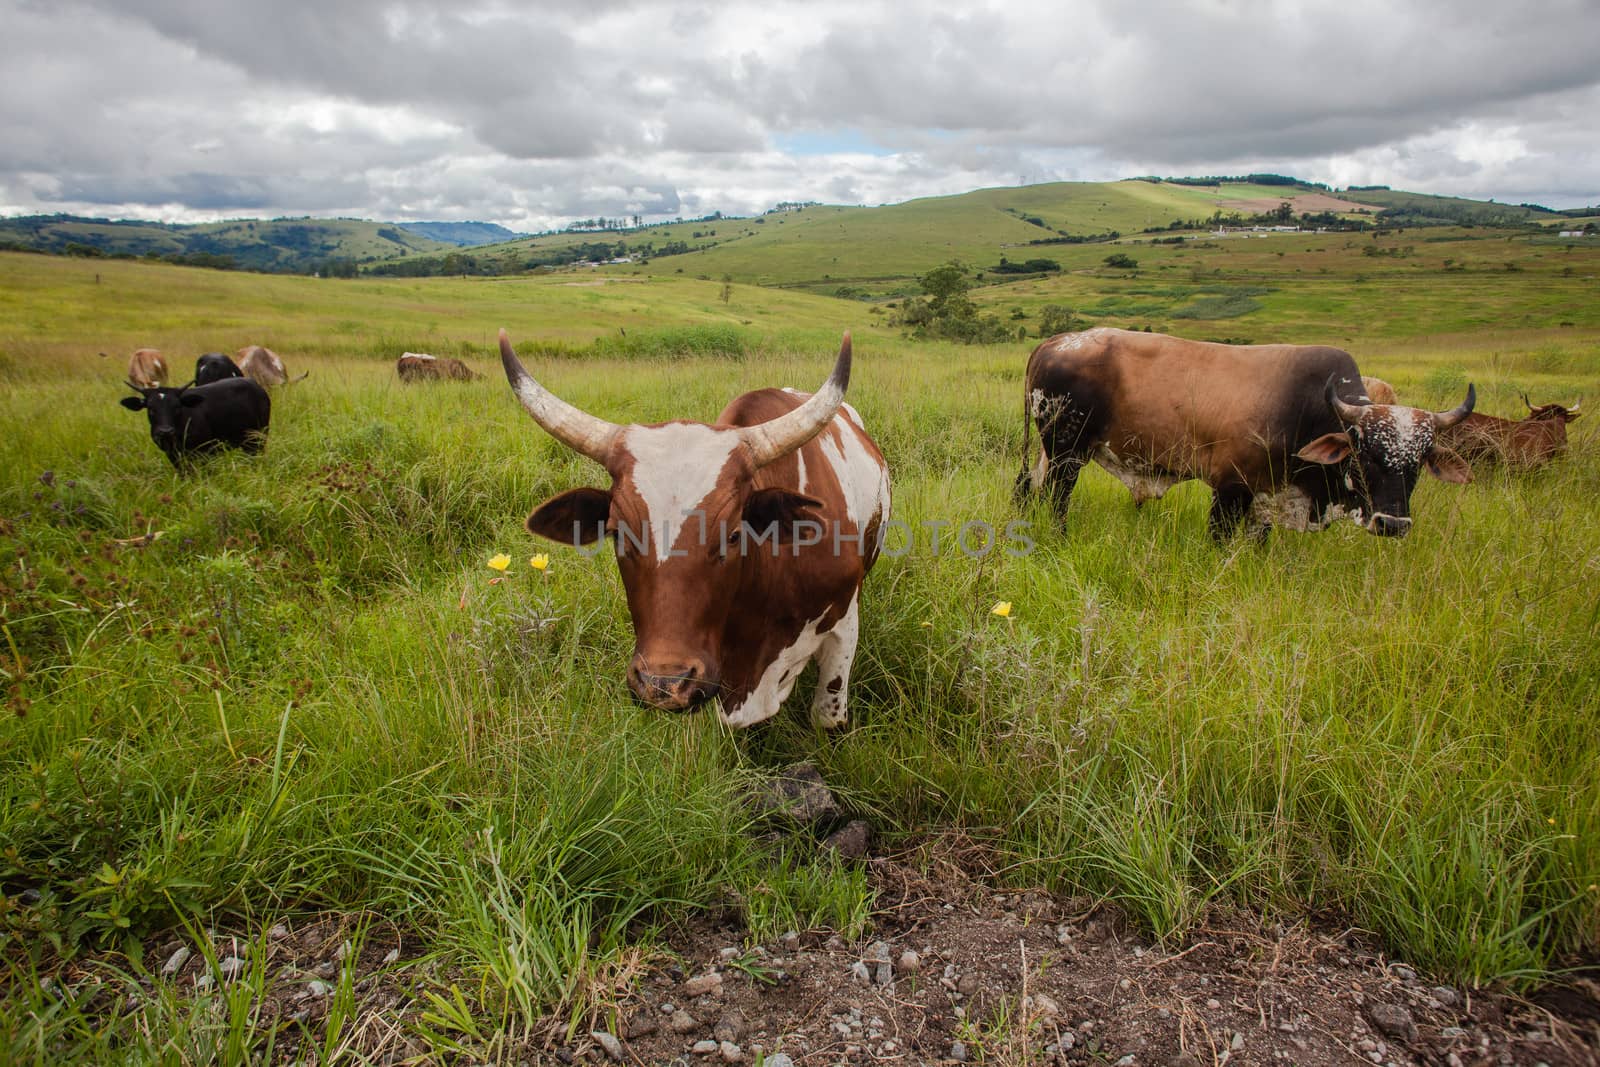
573 427
777 437
1349 414
1527 402
1444 420
129 383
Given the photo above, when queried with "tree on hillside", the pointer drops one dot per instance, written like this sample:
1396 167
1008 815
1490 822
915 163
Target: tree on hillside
948 312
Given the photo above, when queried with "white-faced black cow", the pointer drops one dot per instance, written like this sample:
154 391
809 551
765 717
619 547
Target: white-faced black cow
214 367
1285 431
195 419
742 543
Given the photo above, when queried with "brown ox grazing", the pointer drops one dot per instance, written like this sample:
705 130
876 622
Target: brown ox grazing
1379 391
421 367
147 369
1534 441
1283 431
742 543
262 366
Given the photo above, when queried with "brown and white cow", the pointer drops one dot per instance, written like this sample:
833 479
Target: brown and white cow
421 367
1525 445
1379 391
1281 431
147 369
262 366
742 543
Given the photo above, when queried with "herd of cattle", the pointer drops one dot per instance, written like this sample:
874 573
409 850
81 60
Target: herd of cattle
743 543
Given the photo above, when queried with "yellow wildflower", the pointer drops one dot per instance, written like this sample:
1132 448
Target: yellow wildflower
540 562
1002 609
499 561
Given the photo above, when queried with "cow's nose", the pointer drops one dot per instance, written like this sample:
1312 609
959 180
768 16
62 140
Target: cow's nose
1389 525
671 686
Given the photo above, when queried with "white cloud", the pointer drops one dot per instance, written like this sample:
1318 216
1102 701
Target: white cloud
531 114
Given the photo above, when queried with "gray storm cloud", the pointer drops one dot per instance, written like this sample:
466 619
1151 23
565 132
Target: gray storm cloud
533 114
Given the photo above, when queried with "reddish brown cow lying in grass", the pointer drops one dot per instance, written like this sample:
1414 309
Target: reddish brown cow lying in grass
421 367
1525 445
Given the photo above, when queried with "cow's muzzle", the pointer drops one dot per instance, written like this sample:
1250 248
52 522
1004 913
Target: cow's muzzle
671 686
1388 525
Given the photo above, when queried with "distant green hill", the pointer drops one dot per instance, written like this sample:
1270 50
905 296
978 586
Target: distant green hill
462 234
299 246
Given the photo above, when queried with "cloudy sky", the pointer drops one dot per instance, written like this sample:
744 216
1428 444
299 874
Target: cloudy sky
533 114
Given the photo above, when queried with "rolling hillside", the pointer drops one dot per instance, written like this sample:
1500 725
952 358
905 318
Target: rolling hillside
878 251
297 246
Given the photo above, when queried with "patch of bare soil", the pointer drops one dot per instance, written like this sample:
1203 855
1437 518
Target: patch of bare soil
955 971
1304 202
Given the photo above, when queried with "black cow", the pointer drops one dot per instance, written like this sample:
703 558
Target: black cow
215 367
194 419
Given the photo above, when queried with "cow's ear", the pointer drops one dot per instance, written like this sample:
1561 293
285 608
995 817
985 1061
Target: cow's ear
767 506
133 403
1329 448
1446 466
192 400
576 517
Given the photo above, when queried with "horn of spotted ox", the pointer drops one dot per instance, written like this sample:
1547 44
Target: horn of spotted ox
1349 414
778 437
572 426
1443 420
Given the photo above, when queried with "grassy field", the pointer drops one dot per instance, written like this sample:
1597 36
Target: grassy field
307 696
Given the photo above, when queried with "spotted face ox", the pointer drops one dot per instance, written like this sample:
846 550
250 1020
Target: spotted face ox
1382 452
1284 434
742 543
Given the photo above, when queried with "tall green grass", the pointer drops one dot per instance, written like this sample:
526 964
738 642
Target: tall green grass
307 695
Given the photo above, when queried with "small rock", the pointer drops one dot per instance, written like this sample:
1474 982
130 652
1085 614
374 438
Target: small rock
279 932
883 974
683 1023
231 968
731 1053
790 939
608 1042
1127 1061
730 1028
1404 973
327 969
204 981
778 1059
859 972
704 1048
704 984
877 952
852 841
958 1051
1186 1059
1394 1020
342 951
909 963
390 956
797 794
1452 1032
726 954
641 1025
176 961
1445 995
1045 1005
1213 1003
667 1007
1237 1044
967 985
318 988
